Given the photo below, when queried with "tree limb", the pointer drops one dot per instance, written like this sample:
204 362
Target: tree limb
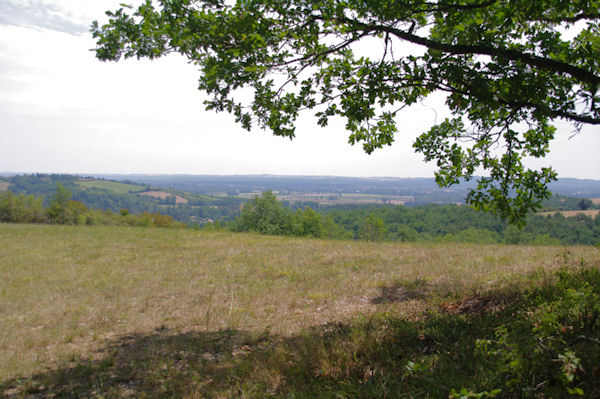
550 64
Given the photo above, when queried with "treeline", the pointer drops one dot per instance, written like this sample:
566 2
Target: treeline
562 203
459 223
44 186
62 209
266 215
430 223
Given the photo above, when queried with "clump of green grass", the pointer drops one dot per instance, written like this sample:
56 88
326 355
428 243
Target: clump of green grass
115 311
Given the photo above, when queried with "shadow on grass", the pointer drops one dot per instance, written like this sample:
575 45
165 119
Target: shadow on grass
402 291
478 347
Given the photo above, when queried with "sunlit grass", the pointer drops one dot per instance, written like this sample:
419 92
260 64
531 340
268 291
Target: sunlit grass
67 291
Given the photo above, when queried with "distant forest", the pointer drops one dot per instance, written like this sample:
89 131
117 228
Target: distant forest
428 223
414 223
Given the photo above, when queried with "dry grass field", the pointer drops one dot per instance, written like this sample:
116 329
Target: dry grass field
587 212
72 296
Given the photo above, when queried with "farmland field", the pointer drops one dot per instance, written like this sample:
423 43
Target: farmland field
338 198
119 188
133 312
587 212
164 195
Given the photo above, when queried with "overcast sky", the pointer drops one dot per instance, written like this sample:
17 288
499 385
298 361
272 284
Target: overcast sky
63 111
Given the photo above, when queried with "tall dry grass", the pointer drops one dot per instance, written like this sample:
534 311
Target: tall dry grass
67 290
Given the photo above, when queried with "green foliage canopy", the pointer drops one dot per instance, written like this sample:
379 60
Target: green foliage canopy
509 68
20 208
373 228
59 205
264 215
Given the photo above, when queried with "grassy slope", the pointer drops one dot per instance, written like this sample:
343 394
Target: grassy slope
140 312
119 188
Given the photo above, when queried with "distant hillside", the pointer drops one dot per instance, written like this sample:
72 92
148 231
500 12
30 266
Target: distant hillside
116 187
358 216
206 198
583 188
423 190
103 194
4 185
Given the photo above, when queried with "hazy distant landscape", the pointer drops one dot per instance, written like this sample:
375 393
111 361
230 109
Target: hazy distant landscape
423 190
411 210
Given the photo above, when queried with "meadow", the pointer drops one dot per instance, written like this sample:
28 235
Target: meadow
108 311
116 187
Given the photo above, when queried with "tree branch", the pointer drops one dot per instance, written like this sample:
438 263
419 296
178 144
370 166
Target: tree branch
523 104
573 19
578 73
462 7
584 338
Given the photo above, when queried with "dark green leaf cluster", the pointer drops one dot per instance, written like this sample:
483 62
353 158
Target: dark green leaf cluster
21 208
550 340
507 67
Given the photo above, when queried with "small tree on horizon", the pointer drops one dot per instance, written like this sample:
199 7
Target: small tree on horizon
265 215
373 229
57 211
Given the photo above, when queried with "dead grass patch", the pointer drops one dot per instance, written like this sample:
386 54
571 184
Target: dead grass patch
587 212
164 195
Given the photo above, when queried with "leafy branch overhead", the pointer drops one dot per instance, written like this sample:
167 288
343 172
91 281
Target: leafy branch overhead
509 68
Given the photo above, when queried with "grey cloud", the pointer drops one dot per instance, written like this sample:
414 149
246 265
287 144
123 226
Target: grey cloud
40 15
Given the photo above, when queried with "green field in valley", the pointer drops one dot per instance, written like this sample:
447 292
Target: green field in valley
92 311
119 188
